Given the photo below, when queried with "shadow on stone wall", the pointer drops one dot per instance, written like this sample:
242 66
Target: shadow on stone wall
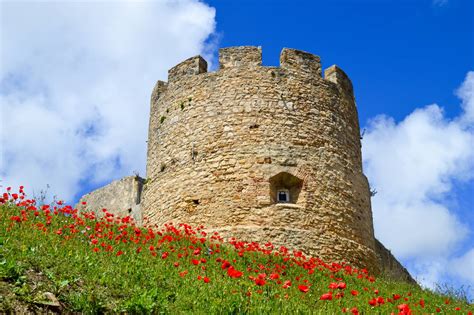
121 197
390 267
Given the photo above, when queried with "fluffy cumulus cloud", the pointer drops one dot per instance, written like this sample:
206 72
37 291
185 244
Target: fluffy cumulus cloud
75 81
415 165
464 266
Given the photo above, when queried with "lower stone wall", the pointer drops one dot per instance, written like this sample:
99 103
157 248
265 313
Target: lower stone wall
390 266
121 197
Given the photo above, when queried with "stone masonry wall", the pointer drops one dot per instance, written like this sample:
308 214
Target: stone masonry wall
121 197
222 144
390 267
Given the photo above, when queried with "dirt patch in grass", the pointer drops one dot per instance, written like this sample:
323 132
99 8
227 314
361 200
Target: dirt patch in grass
28 294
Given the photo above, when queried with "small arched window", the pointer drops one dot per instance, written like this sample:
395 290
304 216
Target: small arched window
285 188
283 196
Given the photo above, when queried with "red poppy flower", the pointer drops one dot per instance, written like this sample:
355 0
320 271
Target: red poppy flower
403 307
233 273
354 292
303 288
422 303
195 262
260 281
206 280
326 296
119 253
341 285
332 285
225 264
15 218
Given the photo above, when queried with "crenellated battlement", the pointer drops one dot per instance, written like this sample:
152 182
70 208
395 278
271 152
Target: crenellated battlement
240 56
160 87
300 61
189 67
260 153
292 61
267 152
338 76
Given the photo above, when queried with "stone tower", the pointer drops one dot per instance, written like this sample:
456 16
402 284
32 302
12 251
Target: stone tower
262 153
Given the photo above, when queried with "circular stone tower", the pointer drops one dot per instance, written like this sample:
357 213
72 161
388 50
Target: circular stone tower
262 154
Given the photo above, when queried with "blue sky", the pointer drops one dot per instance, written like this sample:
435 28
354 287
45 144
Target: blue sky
405 53
76 76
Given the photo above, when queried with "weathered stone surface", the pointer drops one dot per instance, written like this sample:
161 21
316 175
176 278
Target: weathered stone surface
391 268
223 146
240 56
217 139
121 197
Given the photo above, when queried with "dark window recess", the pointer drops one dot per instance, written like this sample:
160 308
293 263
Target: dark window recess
285 188
196 201
283 196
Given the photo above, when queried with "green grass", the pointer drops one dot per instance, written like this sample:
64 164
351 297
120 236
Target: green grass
106 265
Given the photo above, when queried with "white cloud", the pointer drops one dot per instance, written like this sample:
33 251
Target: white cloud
455 272
429 273
463 266
466 93
75 82
414 165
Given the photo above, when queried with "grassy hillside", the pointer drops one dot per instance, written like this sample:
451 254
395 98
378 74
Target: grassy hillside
54 259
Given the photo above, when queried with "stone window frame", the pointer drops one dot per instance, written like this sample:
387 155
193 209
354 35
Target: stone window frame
287 196
285 181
